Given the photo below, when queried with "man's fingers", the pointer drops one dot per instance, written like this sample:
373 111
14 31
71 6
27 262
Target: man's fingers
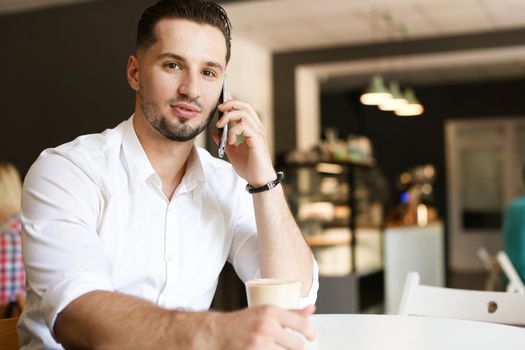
235 104
235 116
298 321
248 108
307 311
237 130
239 110
288 340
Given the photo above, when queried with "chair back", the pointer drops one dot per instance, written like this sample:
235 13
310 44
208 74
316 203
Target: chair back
515 283
488 306
486 259
8 335
491 264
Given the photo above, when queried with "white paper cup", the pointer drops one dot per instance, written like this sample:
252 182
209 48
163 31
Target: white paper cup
280 292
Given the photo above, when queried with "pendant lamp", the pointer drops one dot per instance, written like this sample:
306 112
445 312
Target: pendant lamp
376 93
397 100
412 108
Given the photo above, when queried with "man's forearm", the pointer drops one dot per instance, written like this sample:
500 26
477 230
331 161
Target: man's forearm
108 320
284 252
111 320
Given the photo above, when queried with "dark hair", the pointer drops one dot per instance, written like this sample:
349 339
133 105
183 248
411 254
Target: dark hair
202 12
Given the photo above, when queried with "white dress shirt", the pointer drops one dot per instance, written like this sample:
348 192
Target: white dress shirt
95 218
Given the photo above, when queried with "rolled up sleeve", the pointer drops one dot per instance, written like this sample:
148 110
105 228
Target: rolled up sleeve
63 254
311 297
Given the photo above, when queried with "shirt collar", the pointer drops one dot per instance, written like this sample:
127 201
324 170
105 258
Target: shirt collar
140 168
193 179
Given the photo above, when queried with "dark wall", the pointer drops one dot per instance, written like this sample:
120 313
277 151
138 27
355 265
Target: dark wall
64 74
403 142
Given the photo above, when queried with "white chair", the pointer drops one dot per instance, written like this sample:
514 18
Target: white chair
484 256
495 307
493 281
515 283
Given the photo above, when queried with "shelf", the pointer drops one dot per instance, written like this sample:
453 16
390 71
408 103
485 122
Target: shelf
340 237
325 223
321 197
363 227
314 164
339 223
322 241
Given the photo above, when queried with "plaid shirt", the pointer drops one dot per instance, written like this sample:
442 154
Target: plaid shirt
12 274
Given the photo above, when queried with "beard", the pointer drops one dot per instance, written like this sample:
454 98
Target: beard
175 130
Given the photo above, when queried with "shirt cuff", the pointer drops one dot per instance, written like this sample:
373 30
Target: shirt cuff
67 290
311 297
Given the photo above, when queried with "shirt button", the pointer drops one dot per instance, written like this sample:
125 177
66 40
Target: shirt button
169 257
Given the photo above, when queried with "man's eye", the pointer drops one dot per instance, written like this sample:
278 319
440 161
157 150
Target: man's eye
209 73
172 65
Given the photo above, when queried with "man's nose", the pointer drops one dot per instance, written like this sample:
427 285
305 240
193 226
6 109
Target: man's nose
189 86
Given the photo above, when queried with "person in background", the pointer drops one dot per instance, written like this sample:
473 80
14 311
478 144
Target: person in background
514 232
126 232
12 275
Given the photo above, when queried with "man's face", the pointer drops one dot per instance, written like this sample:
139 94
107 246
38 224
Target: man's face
180 78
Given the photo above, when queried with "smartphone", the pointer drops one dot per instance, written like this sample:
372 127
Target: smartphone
224 134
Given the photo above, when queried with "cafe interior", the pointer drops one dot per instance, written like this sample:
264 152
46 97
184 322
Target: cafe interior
399 125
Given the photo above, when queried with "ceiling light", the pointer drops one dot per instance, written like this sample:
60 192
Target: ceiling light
412 108
376 93
397 100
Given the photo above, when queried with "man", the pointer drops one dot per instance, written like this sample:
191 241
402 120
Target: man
125 232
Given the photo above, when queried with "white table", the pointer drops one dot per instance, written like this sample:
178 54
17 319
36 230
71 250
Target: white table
379 332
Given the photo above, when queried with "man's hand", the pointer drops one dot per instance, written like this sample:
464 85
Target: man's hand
251 159
263 327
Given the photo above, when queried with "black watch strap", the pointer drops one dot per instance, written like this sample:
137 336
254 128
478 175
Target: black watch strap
268 186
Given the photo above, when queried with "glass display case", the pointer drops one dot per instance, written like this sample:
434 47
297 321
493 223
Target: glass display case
339 209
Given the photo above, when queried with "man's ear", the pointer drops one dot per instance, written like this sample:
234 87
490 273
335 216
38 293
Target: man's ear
133 72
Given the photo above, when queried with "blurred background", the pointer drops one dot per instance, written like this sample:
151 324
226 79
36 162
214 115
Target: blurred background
379 189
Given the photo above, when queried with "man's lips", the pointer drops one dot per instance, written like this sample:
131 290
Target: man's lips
186 110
